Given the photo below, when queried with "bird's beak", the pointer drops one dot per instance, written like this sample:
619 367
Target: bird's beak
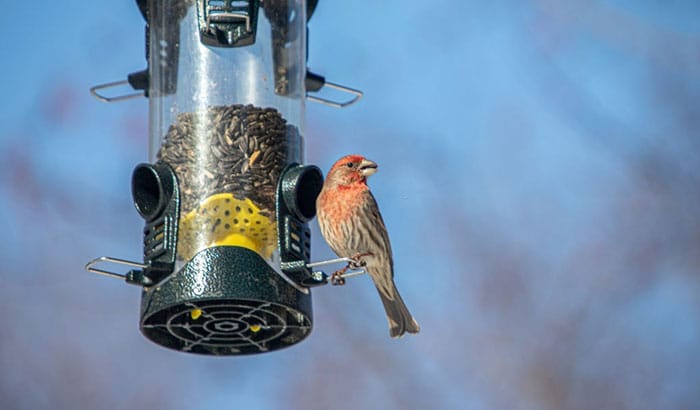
367 168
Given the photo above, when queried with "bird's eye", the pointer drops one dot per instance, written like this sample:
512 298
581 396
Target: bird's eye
349 164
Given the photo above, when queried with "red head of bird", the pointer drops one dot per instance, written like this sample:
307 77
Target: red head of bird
351 169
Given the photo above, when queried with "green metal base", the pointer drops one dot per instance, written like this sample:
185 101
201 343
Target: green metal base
226 301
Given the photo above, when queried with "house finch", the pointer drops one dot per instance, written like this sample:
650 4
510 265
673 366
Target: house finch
350 222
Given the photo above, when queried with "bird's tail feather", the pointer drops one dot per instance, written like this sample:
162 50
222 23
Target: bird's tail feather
400 319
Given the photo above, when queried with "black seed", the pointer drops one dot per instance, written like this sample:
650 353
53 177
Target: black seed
232 134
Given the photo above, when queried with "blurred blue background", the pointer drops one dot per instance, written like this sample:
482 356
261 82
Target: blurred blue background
539 176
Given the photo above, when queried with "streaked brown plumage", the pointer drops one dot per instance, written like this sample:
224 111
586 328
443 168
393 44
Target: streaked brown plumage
350 222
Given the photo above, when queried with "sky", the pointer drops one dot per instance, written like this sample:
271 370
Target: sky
539 178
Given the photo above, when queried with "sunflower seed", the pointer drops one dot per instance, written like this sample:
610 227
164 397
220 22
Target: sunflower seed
213 151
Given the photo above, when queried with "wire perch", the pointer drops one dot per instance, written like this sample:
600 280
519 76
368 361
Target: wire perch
96 92
353 268
357 94
90 266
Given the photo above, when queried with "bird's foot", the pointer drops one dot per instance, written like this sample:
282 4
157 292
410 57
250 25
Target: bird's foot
357 262
337 278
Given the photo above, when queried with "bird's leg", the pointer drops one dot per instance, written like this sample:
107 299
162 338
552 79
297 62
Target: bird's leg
357 262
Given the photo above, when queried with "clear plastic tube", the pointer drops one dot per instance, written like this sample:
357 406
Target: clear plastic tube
227 119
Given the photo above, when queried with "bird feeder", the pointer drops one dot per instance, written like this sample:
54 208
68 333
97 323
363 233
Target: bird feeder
224 197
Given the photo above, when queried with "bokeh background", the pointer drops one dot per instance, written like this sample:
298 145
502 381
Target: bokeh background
539 175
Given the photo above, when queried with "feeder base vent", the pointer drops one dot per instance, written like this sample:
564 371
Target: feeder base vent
226 301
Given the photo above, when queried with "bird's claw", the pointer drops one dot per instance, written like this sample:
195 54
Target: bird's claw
357 262
337 278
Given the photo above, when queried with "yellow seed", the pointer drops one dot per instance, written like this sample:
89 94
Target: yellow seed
255 328
253 157
195 313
